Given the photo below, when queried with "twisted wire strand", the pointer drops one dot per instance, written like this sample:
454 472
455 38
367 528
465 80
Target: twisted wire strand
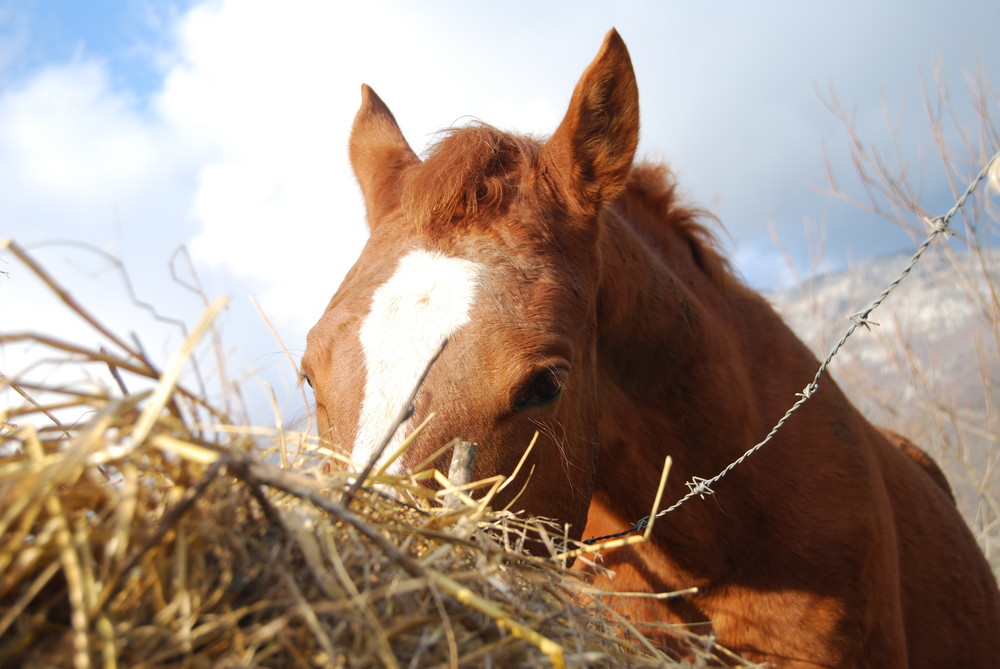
699 487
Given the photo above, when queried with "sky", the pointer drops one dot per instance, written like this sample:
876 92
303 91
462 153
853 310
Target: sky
130 129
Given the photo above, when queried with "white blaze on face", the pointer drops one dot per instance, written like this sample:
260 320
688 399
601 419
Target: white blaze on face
427 300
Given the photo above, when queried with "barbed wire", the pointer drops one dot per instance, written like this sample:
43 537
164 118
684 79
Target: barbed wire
700 487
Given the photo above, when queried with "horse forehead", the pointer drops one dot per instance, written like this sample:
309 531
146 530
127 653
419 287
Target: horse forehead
427 291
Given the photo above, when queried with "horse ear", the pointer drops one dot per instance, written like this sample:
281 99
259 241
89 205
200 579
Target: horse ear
591 152
379 153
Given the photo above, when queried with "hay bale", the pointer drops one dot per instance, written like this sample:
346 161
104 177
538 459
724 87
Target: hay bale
145 537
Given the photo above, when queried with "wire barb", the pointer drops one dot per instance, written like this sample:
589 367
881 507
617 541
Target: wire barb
700 486
808 391
938 224
861 320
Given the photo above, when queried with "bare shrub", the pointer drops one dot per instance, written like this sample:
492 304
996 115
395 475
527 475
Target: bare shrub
931 370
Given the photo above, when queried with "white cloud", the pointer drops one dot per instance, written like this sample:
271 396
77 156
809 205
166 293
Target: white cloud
73 148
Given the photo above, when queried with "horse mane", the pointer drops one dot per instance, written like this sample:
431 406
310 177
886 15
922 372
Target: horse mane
476 172
653 204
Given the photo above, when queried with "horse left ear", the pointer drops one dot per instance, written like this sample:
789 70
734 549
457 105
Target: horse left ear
591 152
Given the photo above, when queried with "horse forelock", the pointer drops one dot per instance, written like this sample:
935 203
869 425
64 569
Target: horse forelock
472 173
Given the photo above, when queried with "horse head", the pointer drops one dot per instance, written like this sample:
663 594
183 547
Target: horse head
487 247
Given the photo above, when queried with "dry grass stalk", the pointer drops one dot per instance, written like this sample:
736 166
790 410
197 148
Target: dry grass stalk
141 537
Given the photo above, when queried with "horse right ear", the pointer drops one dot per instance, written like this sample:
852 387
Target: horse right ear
379 153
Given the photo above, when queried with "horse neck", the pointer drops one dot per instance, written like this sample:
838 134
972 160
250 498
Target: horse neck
688 356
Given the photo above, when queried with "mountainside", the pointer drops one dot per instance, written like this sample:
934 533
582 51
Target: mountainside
930 369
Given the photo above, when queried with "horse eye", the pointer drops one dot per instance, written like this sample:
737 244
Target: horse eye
544 389
303 377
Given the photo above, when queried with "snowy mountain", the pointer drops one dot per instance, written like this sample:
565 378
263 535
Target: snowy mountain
930 369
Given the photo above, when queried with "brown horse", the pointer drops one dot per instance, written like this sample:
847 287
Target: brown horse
580 299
